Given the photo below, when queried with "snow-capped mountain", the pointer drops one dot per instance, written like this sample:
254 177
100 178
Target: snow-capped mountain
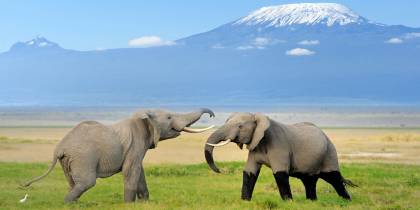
292 23
306 13
40 42
36 44
295 53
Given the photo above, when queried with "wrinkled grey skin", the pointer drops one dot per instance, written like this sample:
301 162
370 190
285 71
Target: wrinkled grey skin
92 150
298 149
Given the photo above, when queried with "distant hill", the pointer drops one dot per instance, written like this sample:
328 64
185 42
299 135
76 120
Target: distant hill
295 53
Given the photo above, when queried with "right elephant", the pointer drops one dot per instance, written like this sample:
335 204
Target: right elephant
300 150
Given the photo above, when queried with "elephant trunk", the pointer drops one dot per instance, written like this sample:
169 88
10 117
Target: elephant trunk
185 120
213 141
193 117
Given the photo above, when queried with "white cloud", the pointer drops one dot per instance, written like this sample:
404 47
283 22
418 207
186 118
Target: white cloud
299 52
309 42
394 40
149 41
257 43
260 43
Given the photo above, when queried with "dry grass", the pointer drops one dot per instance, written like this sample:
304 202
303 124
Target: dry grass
401 138
377 144
391 145
23 132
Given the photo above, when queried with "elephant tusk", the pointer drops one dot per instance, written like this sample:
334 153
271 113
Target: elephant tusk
220 143
193 130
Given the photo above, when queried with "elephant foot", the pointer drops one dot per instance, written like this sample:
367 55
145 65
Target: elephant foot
310 186
282 180
143 196
78 190
336 180
129 195
69 201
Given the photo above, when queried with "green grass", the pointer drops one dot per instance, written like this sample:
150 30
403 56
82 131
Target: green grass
382 186
371 128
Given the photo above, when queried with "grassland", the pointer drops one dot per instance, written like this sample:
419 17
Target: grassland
382 186
383 161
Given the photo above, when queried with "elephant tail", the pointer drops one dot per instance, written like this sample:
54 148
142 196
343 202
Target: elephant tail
349 183
54 161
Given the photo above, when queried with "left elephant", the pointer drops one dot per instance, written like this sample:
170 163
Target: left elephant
92 150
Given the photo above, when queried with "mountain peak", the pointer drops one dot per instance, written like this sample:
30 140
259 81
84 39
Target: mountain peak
40 41
303 13
36 43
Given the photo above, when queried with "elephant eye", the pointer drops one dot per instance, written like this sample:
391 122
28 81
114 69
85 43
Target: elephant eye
240 126
169 117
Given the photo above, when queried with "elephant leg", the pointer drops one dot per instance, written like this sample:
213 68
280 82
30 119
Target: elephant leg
282 180
66 169
250 176
310 186
248 184
131 183
336 180
142 191
82 184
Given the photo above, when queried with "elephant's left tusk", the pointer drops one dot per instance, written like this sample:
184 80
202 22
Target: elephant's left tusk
220 143
193 130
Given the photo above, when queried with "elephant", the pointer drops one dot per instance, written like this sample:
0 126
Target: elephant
299 150
93 150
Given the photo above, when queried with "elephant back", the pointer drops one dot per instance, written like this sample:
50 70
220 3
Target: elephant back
90 137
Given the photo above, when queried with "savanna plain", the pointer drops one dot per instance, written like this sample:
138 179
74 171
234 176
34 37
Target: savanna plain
383 161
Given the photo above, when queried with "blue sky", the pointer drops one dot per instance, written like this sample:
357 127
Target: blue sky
88 25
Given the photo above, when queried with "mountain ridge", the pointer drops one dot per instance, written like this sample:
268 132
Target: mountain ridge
302 13
231 64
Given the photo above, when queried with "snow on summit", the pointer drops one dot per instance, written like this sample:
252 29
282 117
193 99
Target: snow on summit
304 13
39 42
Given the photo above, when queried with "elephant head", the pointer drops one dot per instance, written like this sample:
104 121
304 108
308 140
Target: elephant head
240 128
167 125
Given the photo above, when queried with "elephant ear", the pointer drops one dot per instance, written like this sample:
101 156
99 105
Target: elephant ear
263 123
233 114
151 127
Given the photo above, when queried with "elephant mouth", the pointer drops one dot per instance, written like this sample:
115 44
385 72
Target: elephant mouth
175 133
175 130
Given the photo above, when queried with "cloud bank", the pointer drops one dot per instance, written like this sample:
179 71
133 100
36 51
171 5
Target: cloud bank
260 43
149 41
299 52
394 40
309 42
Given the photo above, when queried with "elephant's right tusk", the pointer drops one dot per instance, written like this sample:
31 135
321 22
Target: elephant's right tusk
220 143
193 130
